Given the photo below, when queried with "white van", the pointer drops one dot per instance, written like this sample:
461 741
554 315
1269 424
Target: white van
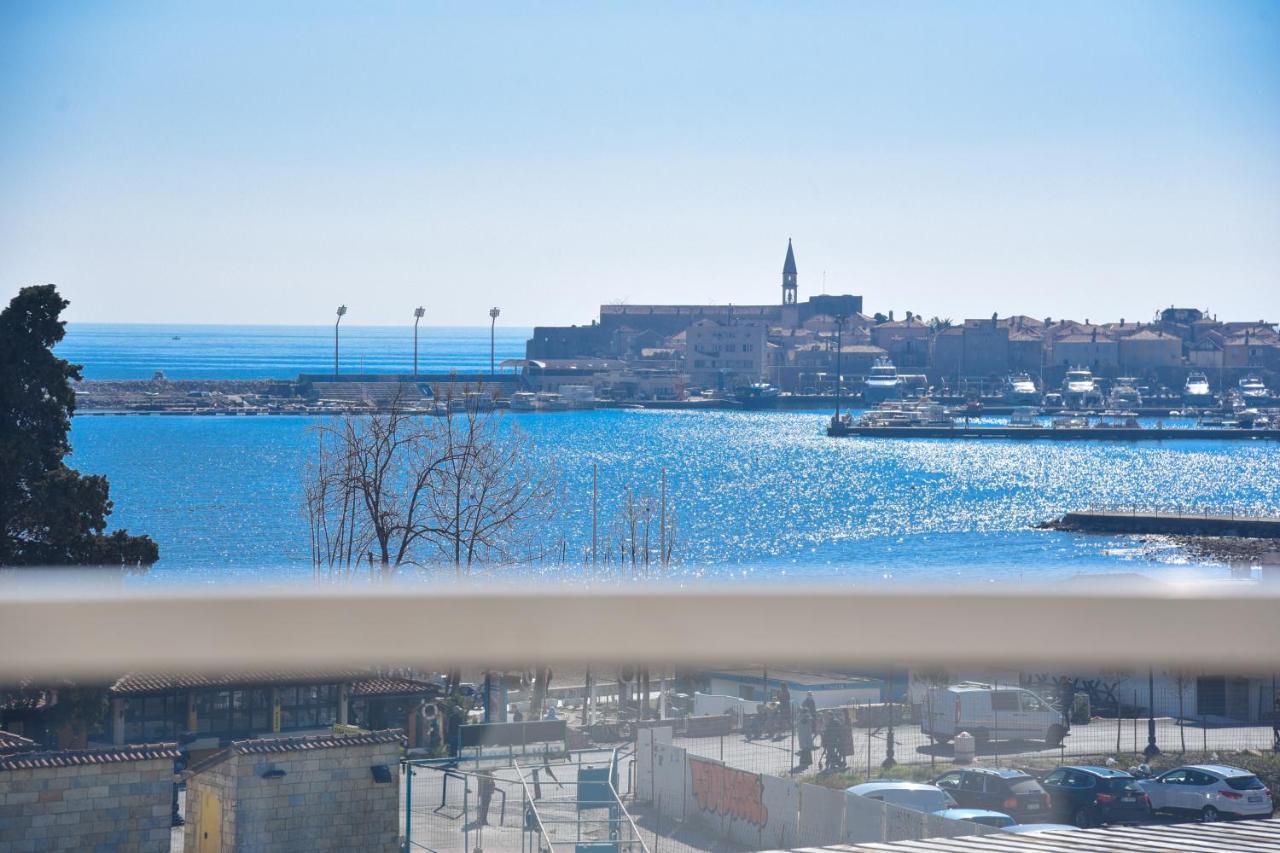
909 795
988 713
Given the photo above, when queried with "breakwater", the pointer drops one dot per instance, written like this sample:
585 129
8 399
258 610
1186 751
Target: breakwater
1169 523
1036 433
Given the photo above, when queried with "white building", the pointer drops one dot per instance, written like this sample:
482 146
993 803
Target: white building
725 355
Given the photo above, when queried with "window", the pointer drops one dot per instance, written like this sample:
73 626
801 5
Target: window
1004 700
1174 777
1057 777
1032 702
972 782
151 718
949 780
309 706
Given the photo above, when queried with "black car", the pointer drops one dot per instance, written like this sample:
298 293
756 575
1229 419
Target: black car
1091 796
1010 791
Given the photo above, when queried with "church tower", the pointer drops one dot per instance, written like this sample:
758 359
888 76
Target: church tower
789 277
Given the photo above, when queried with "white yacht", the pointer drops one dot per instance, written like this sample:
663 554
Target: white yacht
882 383
1197 390
1020 390
1079 390
1252 389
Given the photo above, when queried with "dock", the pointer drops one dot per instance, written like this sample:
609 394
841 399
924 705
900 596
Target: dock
1041 433
1169 523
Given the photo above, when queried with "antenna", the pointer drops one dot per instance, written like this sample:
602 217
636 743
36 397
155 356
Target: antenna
824 282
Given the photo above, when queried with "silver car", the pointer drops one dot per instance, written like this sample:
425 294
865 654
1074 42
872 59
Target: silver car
1209 791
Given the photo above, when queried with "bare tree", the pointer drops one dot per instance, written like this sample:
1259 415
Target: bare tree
398 489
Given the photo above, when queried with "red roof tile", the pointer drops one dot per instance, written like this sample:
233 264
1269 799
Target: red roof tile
137 683
270 746
81 757
387 685
9 742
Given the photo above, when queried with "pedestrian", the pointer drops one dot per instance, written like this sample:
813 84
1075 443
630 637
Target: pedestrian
517 717
784 702
832 745
809 705
487 786
551 713
804 732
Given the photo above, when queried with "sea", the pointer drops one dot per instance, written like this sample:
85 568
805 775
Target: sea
759 496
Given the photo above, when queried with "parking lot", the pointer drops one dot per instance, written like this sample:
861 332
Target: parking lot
911 746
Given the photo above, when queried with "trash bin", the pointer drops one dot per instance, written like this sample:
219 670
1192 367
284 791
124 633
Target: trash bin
964 748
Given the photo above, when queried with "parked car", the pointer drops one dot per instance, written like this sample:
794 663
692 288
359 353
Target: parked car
910 795
988 713
986 817
1090 796
1010 791
1211 791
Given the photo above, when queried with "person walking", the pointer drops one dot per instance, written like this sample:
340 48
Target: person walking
804 733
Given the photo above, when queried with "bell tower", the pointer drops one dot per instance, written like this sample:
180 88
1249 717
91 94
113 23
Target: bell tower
789 277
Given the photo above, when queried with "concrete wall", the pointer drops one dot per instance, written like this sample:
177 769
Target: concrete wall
125 805
327 800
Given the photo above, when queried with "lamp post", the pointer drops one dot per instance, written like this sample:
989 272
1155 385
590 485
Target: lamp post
1151 750
417 315
493 320
889 736
342 309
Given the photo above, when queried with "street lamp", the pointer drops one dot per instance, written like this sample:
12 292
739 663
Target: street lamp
417 315
889 736
1151 750
342 309
493 320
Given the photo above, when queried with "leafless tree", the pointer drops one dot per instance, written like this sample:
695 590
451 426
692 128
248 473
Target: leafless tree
399 488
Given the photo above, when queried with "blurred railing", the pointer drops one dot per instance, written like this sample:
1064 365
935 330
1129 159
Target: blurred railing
61 633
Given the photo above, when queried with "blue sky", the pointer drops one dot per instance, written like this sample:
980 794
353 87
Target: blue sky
237 162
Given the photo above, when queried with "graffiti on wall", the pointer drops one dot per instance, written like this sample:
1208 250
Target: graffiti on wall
728 792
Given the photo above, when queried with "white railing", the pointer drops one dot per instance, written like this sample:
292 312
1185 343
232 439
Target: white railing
59 633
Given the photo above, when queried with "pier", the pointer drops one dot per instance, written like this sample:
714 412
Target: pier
1040 433
1169 523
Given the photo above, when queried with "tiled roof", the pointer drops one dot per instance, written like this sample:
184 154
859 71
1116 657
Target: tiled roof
272 746
81 757
263 746
387 685
138 683
9 742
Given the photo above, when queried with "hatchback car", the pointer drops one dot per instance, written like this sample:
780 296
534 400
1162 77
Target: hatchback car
910 795
1210 791
1089 796
1010 791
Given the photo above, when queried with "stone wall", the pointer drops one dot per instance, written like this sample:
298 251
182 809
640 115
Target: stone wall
112 805
326 799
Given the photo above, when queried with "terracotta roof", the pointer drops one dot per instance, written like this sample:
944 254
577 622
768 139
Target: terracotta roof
138 683
9 742
387 685
80 757
1149 335
272 746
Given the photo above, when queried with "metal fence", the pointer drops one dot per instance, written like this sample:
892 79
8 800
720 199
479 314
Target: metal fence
1125 718
490 802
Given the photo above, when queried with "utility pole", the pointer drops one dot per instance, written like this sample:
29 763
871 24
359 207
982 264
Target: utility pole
493 320
839 347
662 526
342 309
417 315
